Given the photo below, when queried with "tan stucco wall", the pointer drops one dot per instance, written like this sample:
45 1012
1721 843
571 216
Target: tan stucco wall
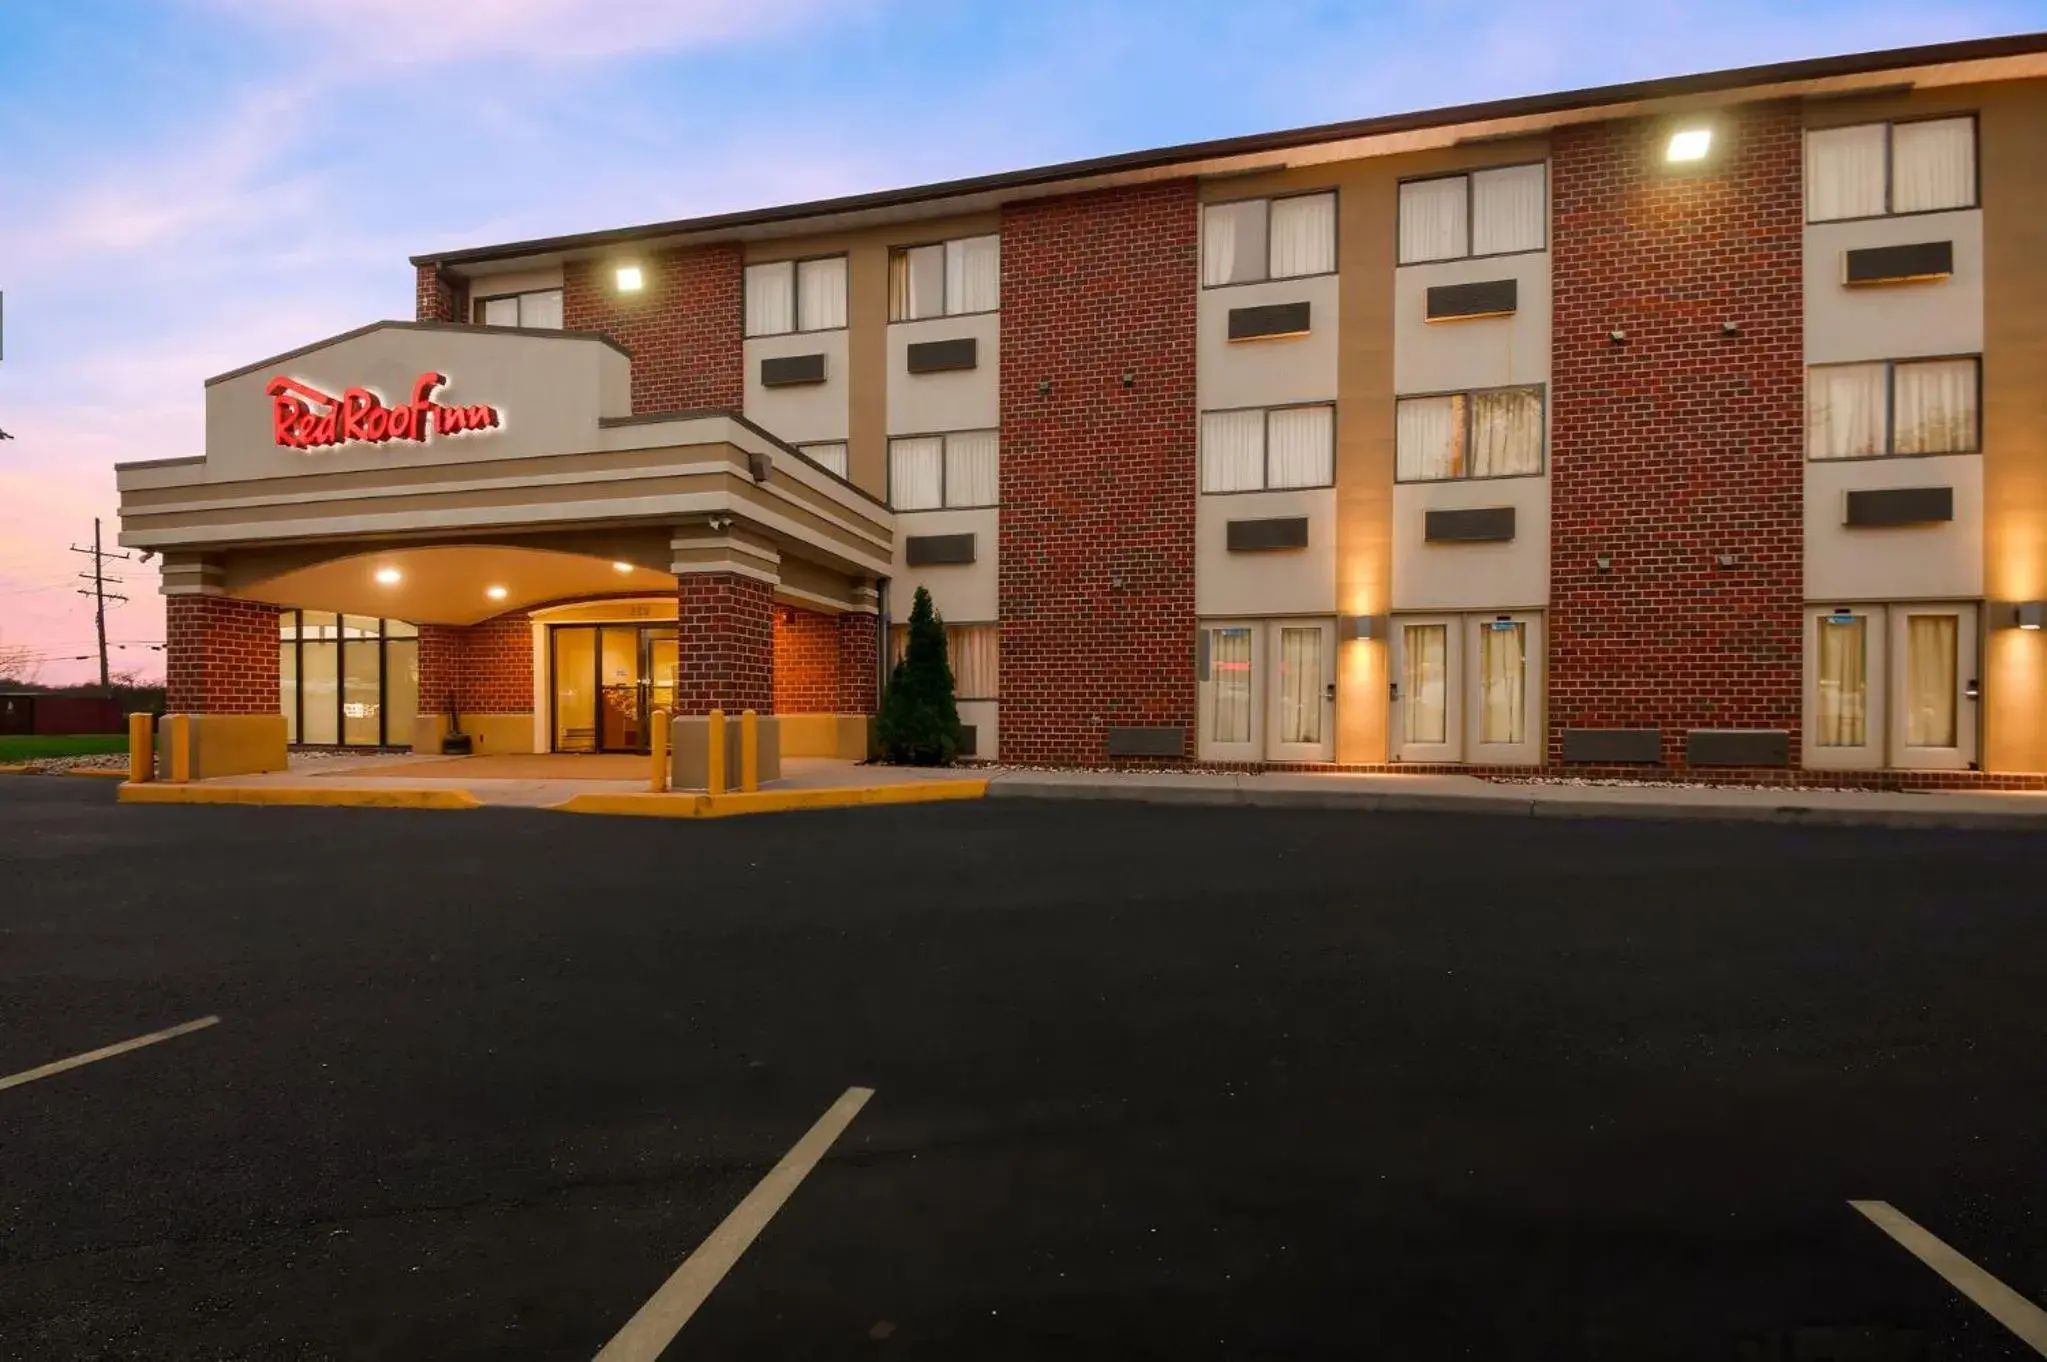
237 744
1895 563
1480 352
1281 582
806 412
962 399
1267 373
1893 321
1506 576
964 593
846 737
489 732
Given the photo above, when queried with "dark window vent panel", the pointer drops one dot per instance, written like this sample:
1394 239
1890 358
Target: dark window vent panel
1145 742
1259 536
1613 745
1487 298
1269 321
934 550
789 371
943 356
1477 525
1901 506
1900 264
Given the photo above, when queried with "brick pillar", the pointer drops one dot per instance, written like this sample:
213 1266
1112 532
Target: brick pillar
682 327
1682 441
440 297
220 656
859 662
495 666
440 668
726 622
806 662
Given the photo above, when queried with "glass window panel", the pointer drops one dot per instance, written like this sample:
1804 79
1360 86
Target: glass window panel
359 626
287 624
318 624
542 310
1844 173
501 311
1432 225
1934 407
1429 438
1232 451
1302 449
1229 665
319 692
1300 684
972 472
1506 433
1843 680
288 688
400 629
1303 235
1424 687
362 708
831 454
920 288
1930 680
916 473
1844 411
1233 242
575 695
898 640
770 298
975 651
1509 210
401 689
1503 681
1933 165
973 274
821 294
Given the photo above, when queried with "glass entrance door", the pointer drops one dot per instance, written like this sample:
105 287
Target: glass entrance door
608 680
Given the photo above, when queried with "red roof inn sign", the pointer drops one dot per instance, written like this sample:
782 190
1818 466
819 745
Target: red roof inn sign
303 417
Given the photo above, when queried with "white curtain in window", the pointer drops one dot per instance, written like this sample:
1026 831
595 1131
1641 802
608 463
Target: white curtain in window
1844 411
501 312
542 309
1423 683
1229 669
1843 682
972 472
1930 681
1934 406
1509 210
1303 447
770 298
1233 242
1429 438
916 283
1503 681
916 468
1232 451
1300 684
975 651
1844 173
821 294
832 455
1303 236
1933 165
1506 432
1432 225
973 274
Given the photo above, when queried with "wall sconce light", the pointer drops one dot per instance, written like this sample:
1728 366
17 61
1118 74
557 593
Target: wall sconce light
1727 560
1129 379
1617 336
758 464
2032 615
1730 328
629 279
1044 387
1603 563
1360 627
1687 145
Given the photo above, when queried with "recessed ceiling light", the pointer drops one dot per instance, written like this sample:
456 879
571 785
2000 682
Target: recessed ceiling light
628 278
1691 144
390 576
621 567
496 593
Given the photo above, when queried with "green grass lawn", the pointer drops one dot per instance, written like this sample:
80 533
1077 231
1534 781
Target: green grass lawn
34 747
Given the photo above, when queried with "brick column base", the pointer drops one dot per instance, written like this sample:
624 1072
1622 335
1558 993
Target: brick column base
220 656
859 661
726 622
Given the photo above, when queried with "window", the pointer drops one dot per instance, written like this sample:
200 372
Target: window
1875 169
1490 434
537 308
1867 411
974 652
929 472
1261 448
1257 239
945 279
349 679
1488 212
796 295
830 453
1842 681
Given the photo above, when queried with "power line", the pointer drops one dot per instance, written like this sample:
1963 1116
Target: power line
99 579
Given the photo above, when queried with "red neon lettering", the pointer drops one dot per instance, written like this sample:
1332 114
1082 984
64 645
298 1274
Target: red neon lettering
303 417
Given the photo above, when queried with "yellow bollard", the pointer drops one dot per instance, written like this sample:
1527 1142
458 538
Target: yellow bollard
714 753
659 739
180 739
749 751
141 748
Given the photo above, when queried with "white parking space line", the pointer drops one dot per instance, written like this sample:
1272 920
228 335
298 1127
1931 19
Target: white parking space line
106 1052
657 1323
2025 1319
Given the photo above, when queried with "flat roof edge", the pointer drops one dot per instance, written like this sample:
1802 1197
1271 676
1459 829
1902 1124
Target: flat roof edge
395 325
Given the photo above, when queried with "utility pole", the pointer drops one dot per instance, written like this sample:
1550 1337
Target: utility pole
98 591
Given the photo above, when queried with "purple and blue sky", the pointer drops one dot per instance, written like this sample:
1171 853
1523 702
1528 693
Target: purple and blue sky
188 185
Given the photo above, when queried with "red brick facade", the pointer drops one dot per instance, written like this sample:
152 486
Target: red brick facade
682 328
441 298
220 656
1680 442
806 662
487 667
1098 475
859 643
726 623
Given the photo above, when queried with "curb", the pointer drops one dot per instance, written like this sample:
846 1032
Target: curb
1518 806
96 774
650 805
362 798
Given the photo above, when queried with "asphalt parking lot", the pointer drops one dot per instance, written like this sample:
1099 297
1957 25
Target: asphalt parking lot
1147 1083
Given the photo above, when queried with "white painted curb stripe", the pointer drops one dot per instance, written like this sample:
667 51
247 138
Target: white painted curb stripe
2006 1306
657 1323
106 1052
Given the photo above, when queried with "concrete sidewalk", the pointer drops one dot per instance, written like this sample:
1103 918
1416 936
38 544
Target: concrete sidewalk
1468 794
